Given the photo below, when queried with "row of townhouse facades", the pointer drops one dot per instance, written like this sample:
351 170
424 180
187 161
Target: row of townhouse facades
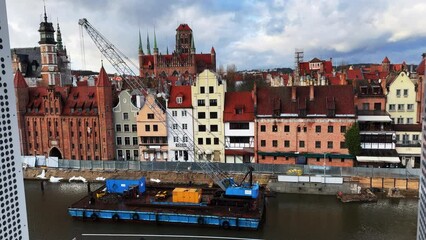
281 125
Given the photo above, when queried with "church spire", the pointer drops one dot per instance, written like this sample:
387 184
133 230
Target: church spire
59 38
155 41
148 48
45 15
140 43
192 43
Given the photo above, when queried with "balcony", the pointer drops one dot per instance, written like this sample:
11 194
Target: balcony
415 143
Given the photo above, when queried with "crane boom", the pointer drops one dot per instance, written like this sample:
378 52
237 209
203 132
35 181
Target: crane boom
115 57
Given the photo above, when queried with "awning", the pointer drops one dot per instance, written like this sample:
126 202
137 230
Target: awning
378 159
239 152
374 118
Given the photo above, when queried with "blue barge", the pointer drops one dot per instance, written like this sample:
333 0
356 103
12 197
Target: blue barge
131 204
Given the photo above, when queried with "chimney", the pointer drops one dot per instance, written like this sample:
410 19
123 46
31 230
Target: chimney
311 92
293 94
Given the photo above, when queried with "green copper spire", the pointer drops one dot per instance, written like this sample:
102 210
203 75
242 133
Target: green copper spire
140 43
59 38
155 40
192 42
148 48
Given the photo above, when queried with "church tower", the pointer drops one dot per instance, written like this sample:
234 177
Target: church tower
183 38
22 98
140 55
50 74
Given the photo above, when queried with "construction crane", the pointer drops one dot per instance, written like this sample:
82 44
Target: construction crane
115 57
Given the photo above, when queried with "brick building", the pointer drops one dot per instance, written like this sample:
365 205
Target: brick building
183 61
303 125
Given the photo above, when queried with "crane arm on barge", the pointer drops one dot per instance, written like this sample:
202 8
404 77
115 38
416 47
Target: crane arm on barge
115 57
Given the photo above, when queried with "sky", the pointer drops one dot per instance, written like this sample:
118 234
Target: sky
250 34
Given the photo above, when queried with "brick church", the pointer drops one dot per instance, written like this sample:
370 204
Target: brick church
60 120
182 61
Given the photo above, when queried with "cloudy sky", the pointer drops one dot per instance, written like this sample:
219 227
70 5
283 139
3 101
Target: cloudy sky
249 34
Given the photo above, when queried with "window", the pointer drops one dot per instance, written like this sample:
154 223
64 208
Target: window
302 144
185 138
213 115
405 92
274 128
175 139
134 128
239 111
202 128
330 129
126 128
211 89
330 144
398 92
286 128
200 141
125 116
239 139
202 90
377 106
415 137
409 120
147 128
150 116
184 113
216 141
208 141
120 154
135 140
318 129
400 120
262 128
214 128
174 113
136 154
179 100
343 145
298 129
239 126
343 129
263 143
317 144
366 106
213 102
391 107
305 129
155 128
201 102
410 107
286 143
175 126
400 107
127 141
201 115
119 141
184 126
274 143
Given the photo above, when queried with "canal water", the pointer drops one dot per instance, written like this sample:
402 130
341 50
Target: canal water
288 216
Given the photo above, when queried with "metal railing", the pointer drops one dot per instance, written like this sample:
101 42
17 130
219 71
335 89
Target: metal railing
275 169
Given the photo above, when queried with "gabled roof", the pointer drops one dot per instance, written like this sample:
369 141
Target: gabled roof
238 101
19 80
386 60
103 80
324 96
354 74
421 68
180 91
183 27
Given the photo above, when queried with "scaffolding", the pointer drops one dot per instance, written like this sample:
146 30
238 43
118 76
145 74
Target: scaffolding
298 58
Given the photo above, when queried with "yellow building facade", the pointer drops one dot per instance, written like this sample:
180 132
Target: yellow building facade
401 100
208 99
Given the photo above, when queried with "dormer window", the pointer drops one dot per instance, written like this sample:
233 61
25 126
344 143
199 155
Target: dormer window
363 89
238 111
179 100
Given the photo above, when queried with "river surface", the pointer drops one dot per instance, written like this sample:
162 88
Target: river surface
288 216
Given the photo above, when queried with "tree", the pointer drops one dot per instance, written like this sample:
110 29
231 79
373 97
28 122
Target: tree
353 140
231 72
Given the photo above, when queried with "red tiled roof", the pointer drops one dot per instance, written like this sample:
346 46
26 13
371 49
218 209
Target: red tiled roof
238 100
206 58
372 75
334 80
183 27
19 80
180 91
421 68
354 74
386 60
328 66
103 80
323 95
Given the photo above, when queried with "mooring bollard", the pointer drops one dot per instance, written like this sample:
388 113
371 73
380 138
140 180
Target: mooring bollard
88 187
